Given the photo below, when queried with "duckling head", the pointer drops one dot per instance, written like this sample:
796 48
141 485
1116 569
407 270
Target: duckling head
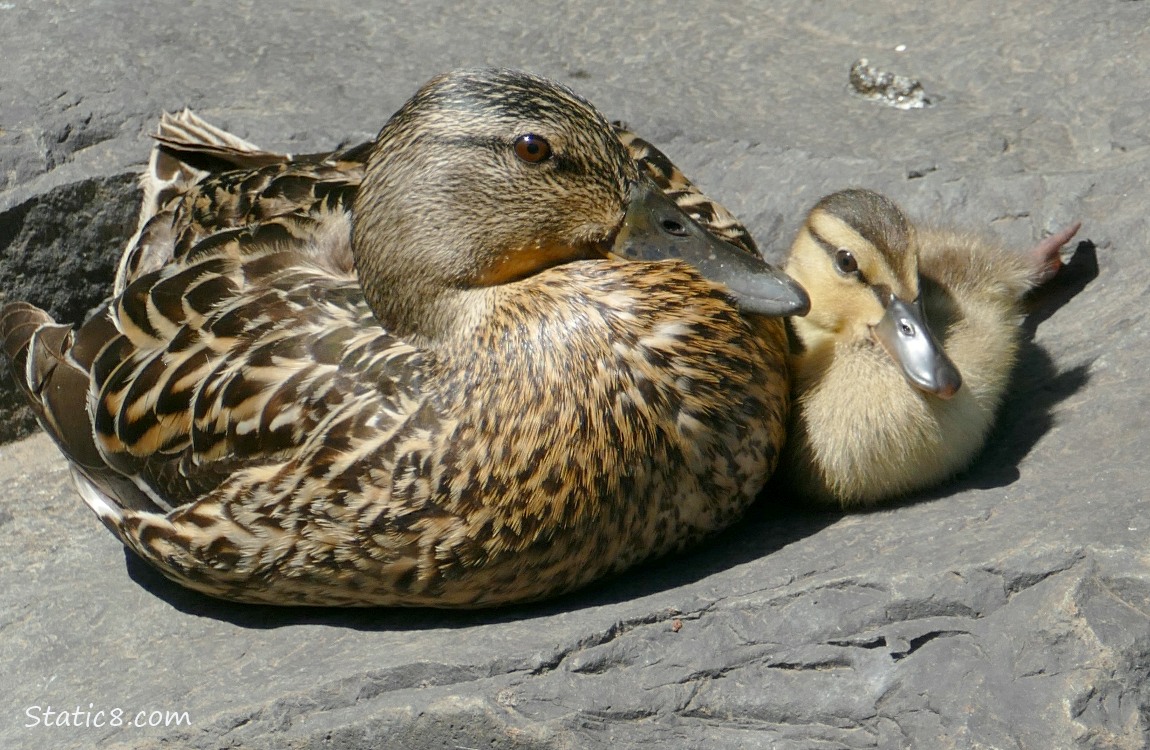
857 257
487 177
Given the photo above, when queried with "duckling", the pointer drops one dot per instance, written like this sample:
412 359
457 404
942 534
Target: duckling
906 352
450 368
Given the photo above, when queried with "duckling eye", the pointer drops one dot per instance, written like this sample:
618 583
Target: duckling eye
532 148
845 261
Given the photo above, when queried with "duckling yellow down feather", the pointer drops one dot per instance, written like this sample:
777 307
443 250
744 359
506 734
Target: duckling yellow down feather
906 352
416 372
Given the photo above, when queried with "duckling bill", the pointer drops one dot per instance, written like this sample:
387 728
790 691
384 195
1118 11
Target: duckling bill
447 368
907 349
906 335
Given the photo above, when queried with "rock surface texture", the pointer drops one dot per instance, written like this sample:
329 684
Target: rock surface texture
1009 609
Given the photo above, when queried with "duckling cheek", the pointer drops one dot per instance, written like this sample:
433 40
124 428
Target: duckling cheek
846 320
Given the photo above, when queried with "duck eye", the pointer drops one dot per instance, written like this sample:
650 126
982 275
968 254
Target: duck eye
845 261
532 148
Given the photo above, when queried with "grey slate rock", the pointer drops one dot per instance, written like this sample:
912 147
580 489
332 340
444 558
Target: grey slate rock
1009 609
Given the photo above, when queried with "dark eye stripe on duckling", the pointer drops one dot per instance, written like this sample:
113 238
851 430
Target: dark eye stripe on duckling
876 219
831 250
882 291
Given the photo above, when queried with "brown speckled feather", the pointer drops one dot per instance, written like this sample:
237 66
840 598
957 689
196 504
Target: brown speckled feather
257 435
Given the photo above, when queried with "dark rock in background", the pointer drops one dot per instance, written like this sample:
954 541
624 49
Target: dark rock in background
1010 609
46 258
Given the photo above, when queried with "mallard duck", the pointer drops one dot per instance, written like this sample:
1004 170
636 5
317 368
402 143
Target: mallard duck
906 352
434 370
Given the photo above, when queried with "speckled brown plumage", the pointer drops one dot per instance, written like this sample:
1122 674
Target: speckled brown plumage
268 410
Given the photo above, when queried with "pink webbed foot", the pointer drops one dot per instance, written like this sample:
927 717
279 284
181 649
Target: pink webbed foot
1045 256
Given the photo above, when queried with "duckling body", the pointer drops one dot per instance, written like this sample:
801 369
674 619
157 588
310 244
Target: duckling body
878 414
410 373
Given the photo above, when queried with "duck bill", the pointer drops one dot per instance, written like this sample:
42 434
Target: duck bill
904 334
655 228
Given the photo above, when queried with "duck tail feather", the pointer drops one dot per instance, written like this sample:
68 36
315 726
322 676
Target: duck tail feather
50 363
187 130
21 326
106 509
19 322
191 142
114 500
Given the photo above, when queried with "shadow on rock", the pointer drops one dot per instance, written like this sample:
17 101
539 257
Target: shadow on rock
1025 417
763 530
1075 276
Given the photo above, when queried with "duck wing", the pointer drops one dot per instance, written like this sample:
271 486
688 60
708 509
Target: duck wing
237 331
